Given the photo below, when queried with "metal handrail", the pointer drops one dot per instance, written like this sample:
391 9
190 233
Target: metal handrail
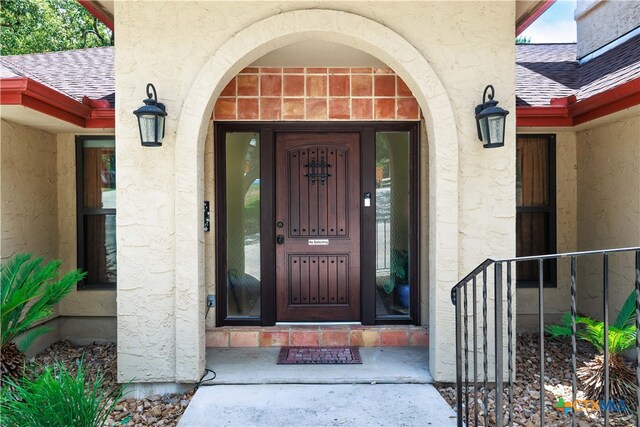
459 297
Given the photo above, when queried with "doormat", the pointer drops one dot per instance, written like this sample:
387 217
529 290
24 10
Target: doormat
319 355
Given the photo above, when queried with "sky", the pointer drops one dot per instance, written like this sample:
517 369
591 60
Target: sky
555 25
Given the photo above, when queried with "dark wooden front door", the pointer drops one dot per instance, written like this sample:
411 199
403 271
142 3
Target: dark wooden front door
317 226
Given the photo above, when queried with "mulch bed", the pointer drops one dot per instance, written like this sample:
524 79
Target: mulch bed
526 390
319 356
154 411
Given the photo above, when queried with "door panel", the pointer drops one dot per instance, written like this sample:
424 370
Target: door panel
318 226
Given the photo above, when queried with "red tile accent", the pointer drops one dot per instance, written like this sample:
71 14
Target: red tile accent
407 108
384 85
361 70
230 88
271 70
244 339
274 339
270 108
338 70
302 338
403 89
271 85
365 337
316 70
418 337
217 338
333 337
247 85
339 108
361 85
293 70
384 108
394 338
248 109
249 70
293 85
316 86
361 108
338 85
316 109
225 109
383 70
293 109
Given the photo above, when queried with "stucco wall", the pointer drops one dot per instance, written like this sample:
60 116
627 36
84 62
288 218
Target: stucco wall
159 190
557 300
29 192
621 17
608 209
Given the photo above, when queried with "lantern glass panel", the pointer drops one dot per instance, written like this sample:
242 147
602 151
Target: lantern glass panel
495 126
147 127
160 128
484 129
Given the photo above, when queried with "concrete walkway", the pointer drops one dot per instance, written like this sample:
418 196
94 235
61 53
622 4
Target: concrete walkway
391 388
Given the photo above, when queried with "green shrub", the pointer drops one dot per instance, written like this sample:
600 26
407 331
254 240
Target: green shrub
57 398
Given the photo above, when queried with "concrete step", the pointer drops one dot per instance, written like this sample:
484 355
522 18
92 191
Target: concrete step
389 365
318 405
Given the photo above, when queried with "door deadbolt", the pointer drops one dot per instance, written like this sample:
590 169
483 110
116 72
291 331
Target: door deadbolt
280 224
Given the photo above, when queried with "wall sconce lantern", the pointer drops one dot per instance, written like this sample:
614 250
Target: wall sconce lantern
151 119
490 120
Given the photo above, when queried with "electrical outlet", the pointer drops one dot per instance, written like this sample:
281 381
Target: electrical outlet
211 300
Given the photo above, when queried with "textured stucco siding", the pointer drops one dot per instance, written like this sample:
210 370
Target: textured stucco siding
29 192
471 198
557 300
621 16
608 209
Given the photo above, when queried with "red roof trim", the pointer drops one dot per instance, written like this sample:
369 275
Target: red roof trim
98 13
36 96
533 16
571 113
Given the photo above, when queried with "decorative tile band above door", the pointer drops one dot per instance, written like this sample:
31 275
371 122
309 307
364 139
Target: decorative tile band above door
267 93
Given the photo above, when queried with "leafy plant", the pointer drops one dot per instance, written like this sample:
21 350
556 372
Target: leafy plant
621 336
28 293
58 397
399 269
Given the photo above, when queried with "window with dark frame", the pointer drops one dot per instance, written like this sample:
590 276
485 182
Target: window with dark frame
535 207
96 203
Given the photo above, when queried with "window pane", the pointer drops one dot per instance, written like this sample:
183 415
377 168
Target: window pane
243 223
532 172
99 166
532 230
392 223
100 248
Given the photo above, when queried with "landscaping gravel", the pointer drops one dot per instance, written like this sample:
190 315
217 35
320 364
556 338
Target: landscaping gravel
526 390
154 411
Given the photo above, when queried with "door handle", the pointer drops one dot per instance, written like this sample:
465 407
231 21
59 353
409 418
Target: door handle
280 239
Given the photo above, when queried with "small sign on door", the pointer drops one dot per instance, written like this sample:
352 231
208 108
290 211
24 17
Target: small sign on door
318 242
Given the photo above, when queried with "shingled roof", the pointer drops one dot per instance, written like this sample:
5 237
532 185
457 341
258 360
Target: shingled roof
545 71
75 73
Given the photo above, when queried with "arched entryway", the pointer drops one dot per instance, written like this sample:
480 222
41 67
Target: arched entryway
237 53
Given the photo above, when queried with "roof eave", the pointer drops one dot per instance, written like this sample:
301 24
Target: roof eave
530 16
567 112
99 11
36 96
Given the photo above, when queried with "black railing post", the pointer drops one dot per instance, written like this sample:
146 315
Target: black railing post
541 331
458 358
497 281
466 355
510 341
485 367
574 311
475 352
605 309
638 338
